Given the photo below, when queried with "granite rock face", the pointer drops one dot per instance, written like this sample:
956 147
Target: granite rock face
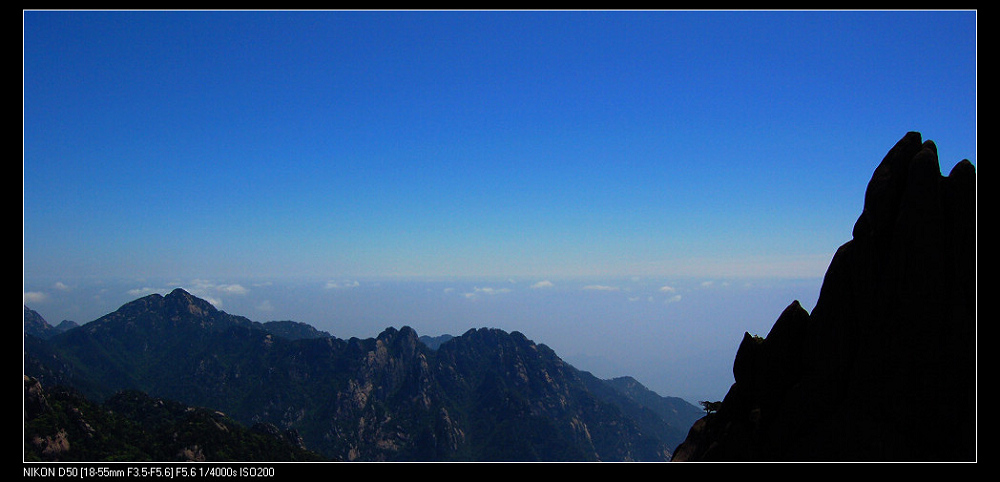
884 368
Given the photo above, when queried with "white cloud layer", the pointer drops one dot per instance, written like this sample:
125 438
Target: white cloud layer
138 292
333 285
487 291
601 288
233 289
35 297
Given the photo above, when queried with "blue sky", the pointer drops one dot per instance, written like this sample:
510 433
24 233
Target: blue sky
236 151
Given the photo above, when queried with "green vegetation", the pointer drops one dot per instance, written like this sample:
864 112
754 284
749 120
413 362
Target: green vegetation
711 407
131 426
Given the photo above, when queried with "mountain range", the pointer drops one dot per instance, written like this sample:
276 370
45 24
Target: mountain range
883 369
484 395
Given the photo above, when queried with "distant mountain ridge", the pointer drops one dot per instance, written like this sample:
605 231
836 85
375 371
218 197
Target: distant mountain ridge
294 330
35 325
483 395
433 342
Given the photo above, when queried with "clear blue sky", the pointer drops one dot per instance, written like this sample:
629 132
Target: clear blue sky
532 146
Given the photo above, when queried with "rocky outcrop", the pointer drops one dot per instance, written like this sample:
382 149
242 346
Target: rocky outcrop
884 368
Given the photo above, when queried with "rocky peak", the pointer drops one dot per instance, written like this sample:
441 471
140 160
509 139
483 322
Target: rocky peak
182 302
177 303
884 366
404 338
178 308
35 325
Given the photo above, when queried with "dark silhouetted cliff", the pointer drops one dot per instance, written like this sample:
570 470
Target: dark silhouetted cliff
884 368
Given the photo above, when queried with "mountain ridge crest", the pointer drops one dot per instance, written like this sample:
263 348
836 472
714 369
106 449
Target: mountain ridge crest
174 347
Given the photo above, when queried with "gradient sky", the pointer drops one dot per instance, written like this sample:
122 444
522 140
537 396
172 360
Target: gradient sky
630 154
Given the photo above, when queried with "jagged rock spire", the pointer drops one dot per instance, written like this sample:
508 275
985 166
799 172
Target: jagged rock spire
884 366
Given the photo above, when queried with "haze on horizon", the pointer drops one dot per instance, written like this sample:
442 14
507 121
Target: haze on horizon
634 189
